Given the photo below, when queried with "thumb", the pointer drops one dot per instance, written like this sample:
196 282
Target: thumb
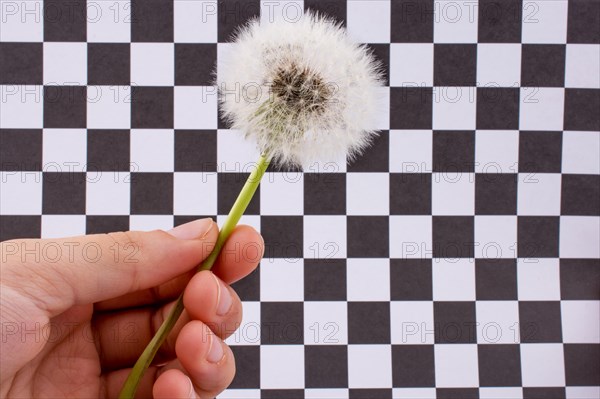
61 273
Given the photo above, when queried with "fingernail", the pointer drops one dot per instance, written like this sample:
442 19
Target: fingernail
215 352
192 393
224 300
192 230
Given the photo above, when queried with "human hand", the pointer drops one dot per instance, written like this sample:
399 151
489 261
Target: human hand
77 312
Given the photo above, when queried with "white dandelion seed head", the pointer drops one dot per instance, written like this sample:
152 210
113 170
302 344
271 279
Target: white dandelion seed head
303 91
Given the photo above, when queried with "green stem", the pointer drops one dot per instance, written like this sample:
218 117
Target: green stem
237 210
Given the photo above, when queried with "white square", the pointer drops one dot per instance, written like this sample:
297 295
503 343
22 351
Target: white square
582 66
22 106
581 152
411 151
501 393
453 194
455 22
538 279
495 237
454 108
326 393
65 63
542 365
57 226
195 193
324 237
580 322
368 21
250 220
497 322
108 193
109 107
282 280
411 64
411 237
582 392
545 21
539 195
325 323
498 64
249 329
368 193
456 366
281 366
286 10
453 280
150 222
579 237
195 107
368 279
541 108
161 58
335 164
369 366
22 21
234 153
243 393
496 151
195 21
152 150
413 393
21 193
64 150
109 21
412 323
282 193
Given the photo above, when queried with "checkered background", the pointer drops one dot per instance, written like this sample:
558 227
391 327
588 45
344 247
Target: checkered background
458 258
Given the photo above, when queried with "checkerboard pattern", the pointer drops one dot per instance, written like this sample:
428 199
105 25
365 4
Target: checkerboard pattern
458 258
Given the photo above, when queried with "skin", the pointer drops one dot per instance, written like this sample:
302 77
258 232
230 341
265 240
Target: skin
74 323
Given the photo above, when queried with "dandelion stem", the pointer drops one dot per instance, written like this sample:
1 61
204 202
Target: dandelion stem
236 212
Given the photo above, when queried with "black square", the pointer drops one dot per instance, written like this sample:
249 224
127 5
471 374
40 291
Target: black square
454 151
410 193
544 393
581 109
454 64
229 186
63 193
152 107
65 106
540 152
582 364
580 279
368 236
281 323
248 288
413 366
580 195
411 107
457 393
109 64
496 279
283 236
324 279
373 393
196 151
540 321
106 224
21 63
454 322
453 237
583 25
499 365
412 21
152 21
235 13
500 21
247 363
281 394
326 366
331 8
410 279
152 193
368 323
543 65
12 227
21 149
108 150
324 193
381 51
497 108
537 236
375 158
195 63
65 21
496 194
